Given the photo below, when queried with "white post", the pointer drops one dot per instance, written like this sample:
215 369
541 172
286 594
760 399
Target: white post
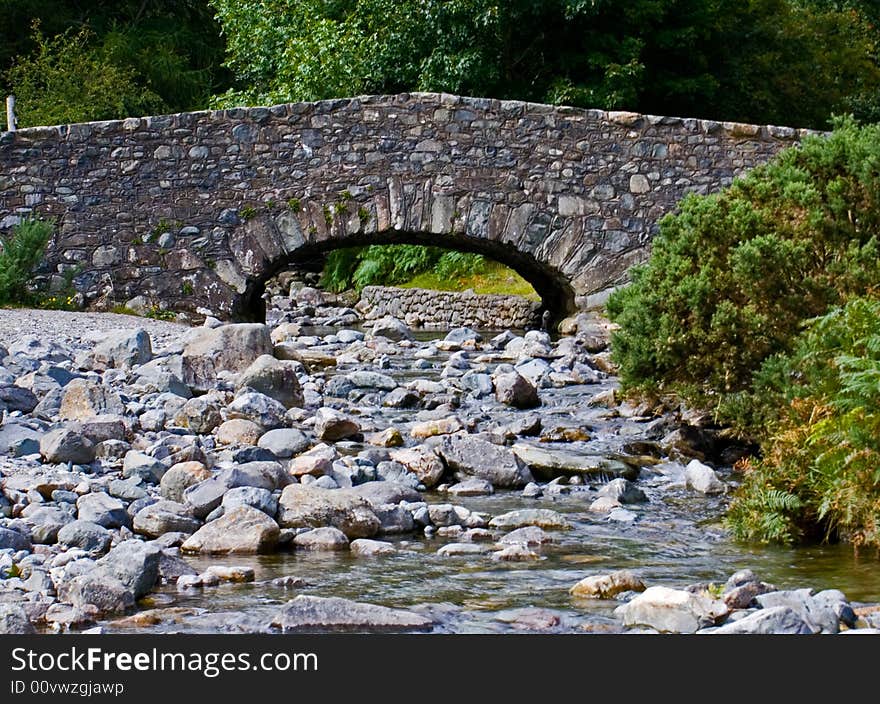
10 113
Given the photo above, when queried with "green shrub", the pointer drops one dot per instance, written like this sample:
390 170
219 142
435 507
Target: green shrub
20 253
733 276
820 473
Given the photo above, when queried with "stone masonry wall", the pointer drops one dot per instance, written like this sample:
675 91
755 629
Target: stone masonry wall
448 309
197 210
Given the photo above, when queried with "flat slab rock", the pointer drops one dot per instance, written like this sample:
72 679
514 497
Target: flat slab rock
312 614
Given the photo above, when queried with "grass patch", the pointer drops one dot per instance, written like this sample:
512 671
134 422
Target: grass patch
496 278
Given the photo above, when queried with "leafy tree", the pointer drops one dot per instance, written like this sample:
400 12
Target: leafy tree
759 60
66 80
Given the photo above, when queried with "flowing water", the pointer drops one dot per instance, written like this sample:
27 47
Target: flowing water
676 539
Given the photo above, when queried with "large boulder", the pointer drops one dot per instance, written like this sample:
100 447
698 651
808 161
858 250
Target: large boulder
672 610
551 463
119 349
231 348
540 517
275 378
90 537
327 539
105 593
242 529
15 398
313 613
777 620
303 506
258 408
284 442
472 457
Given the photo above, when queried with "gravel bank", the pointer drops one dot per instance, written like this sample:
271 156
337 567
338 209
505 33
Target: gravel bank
71 327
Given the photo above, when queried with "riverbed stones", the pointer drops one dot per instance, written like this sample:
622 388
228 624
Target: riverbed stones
256 497
263 410
64 445
135 564
469 456
274 378
15 398
672 610
231 348
607 586
778 620
242 529
102 509
139 464
14 540
306 613
14 621
303 506
105 593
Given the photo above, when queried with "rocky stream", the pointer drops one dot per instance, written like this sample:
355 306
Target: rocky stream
313 474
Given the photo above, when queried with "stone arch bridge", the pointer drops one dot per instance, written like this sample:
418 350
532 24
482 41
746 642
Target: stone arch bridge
195 211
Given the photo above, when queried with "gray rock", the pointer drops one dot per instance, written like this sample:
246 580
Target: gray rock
14 621
303 506
540 517
261 499
17 439
83 399
135 564
274 378
45 522
65 445
776 620
401 398
819 613
13 540
331 425
472 457
200 414
371 380
552 463
370 548
392 329
312 614
165 517
393 520
102 509
138 464
15 398
103 592
527 535
472 487
703 478
120 349
90 537
230 348
323 539
284 443
515 390
258 408
422 462
179 478
378 493
622 491
672 610
242 529
463 336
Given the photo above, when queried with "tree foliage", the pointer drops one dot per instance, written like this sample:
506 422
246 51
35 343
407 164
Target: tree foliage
20 253
733 276
761 60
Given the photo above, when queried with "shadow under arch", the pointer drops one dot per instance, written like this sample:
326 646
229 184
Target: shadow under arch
556 293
